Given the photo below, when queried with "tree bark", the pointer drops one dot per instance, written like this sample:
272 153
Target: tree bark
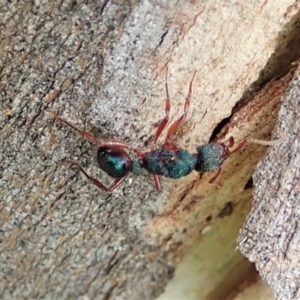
101 65
270 236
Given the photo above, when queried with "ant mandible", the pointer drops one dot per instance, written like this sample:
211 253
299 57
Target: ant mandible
169 160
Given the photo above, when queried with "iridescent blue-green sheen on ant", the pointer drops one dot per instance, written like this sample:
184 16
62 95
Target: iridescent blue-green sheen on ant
170 163
112 162
169 160
116 163
210 157
137 168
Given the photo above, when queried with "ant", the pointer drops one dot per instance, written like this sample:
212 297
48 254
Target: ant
169 160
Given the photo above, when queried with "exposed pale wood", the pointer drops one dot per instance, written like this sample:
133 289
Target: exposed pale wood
212 267
258 290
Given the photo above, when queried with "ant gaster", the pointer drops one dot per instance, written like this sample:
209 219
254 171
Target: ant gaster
169 160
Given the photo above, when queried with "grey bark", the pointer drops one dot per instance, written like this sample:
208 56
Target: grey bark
270 236
101 65
61 237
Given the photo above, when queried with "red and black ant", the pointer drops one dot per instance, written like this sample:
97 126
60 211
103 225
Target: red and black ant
169 160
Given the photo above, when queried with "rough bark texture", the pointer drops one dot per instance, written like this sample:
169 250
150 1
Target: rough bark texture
101 64
214 256
270 236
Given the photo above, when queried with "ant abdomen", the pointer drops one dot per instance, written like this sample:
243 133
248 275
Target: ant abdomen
210 157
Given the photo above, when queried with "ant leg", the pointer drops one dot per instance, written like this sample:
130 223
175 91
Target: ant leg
165 120
266 143
230 142
216 176
94 140
174 127
84 134
95 181
157 182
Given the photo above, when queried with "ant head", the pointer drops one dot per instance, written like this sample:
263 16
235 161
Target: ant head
114 161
